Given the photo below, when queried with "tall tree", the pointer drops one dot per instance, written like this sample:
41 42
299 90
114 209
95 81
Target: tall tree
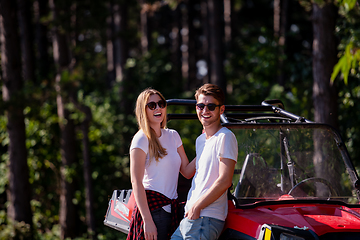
69 218
89 197
175 46
27 46
280 29
110 78
324 59
191 45
19 193
324 93
41 10
144 26
120 46
216 43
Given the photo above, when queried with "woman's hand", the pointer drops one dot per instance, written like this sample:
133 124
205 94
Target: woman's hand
150 230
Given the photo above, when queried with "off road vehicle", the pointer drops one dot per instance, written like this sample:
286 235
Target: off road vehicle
294 179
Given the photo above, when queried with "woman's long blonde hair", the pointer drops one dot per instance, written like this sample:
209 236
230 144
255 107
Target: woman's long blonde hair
155 148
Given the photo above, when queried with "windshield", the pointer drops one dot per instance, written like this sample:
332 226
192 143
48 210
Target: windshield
291 162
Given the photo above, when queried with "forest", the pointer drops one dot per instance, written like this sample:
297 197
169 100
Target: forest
71 71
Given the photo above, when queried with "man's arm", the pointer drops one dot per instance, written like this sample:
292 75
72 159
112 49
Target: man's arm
222 183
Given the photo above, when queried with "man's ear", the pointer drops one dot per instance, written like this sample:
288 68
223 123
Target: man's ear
222 109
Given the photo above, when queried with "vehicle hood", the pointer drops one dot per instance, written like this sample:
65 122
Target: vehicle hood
320 218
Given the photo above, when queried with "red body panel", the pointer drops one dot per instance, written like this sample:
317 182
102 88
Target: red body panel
321 218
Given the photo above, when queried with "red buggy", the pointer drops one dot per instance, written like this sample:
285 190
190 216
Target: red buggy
293 180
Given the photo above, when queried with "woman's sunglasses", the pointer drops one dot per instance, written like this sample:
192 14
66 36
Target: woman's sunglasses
210 106
152 105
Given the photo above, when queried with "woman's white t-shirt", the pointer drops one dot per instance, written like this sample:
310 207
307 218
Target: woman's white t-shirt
161 176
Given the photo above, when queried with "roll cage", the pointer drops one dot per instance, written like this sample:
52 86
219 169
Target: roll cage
270 114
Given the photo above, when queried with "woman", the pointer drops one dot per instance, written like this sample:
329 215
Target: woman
156 158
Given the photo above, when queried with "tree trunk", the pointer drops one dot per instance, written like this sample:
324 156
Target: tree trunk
89 200
110 46
324 93
120 46
205 41
26 35
324 58
69 218
280 29
227 21
191 50
43 59
216 44
145 39
176 80
19 192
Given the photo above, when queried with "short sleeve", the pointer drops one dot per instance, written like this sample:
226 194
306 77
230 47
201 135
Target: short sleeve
229 146
177 138
140 141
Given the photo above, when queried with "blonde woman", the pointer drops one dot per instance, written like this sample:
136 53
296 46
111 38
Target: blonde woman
156 158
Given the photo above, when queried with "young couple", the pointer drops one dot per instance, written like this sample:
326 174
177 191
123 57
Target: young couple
156 158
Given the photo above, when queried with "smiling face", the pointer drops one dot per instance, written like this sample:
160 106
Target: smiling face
209 118
157 115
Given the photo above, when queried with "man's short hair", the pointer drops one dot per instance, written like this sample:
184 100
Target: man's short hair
209 89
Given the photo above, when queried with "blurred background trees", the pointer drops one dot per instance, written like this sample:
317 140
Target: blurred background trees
71 71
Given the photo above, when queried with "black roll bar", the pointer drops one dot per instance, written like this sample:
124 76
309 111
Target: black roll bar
274 108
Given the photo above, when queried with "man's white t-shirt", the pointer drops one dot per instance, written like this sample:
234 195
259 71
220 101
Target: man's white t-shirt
161 176
222 144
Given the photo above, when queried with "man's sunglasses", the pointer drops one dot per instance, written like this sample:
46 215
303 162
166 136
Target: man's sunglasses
210 106
152 105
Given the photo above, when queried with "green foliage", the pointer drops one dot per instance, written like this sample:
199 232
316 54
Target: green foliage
349 33
253 64
348 63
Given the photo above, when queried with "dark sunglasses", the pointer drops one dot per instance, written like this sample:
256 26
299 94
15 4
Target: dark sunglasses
210 106
152 105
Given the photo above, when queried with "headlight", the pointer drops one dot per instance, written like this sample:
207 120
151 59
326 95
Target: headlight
274 232
285 236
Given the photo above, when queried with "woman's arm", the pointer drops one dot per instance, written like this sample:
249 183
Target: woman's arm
187 169
137 169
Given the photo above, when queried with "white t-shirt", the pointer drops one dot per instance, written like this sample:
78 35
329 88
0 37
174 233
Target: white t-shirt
222 144
161 176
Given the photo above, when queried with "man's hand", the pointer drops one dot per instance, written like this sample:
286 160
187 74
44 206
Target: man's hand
193 213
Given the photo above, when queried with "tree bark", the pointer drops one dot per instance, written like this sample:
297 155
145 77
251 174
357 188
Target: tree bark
144 28
176 80
110 46
191 47
89 200
19 192
205 41
26 39
280 29
324 93
324 58
216 43
43 59
120 46
69 218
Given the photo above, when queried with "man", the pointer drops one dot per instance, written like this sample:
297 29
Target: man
216 155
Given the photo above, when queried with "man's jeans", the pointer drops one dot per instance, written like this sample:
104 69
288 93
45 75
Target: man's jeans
201 228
